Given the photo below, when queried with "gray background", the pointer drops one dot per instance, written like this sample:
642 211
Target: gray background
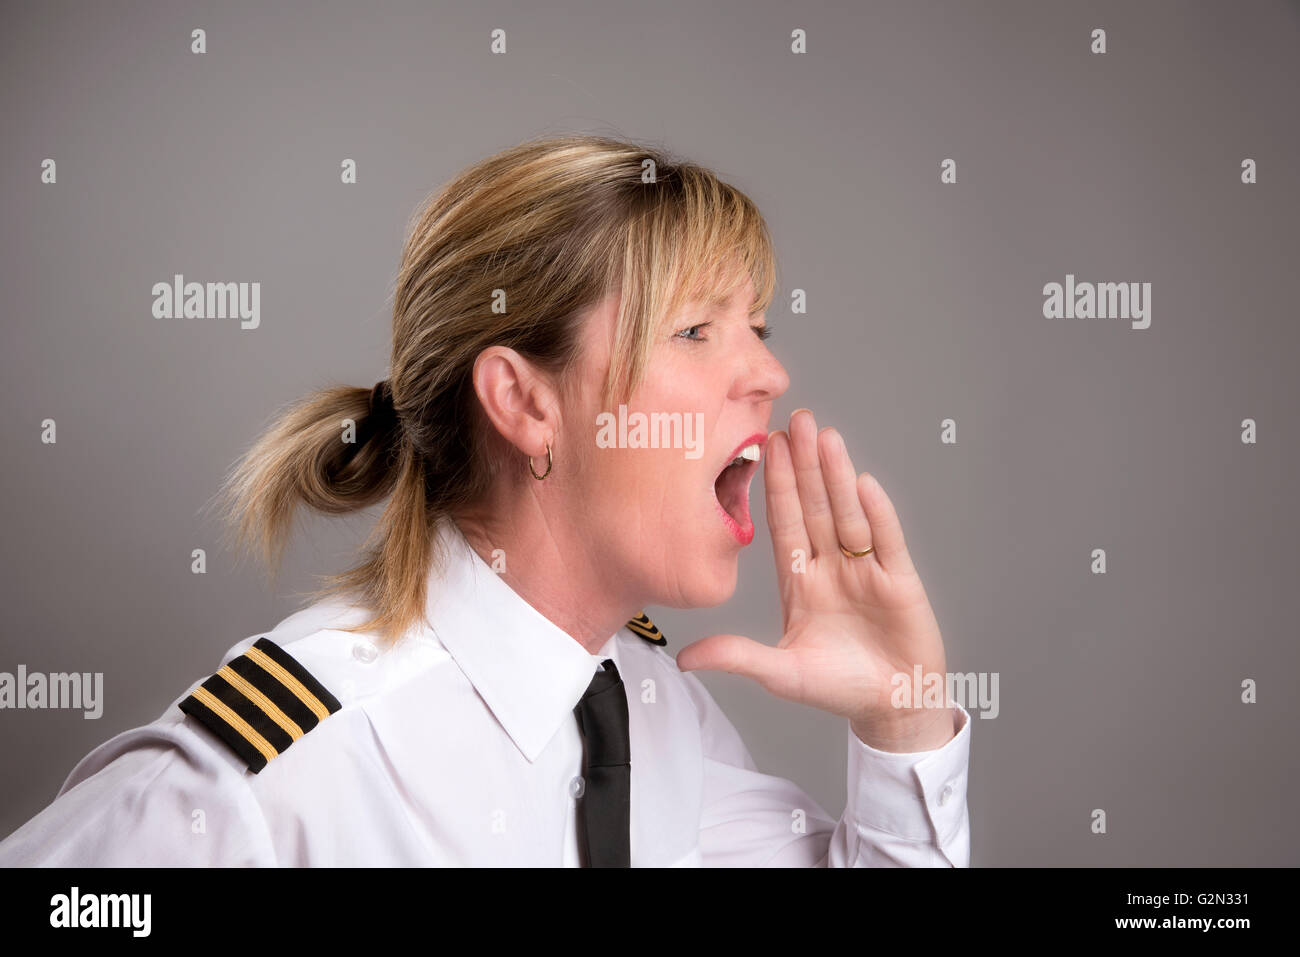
1119 691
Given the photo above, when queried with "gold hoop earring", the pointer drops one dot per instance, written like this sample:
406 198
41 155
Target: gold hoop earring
549 462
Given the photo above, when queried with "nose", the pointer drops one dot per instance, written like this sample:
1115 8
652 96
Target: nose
763 377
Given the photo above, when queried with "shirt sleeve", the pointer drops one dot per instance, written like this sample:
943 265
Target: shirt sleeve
157 796
903 809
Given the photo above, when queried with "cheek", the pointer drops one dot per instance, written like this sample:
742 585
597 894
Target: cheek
649 486
651 515
655 500
619 498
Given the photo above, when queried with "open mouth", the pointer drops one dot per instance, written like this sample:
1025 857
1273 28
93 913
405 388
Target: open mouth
731 489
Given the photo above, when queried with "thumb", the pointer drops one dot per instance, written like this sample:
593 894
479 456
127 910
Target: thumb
738 655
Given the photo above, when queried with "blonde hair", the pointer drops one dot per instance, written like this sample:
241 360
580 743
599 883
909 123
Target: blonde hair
556 224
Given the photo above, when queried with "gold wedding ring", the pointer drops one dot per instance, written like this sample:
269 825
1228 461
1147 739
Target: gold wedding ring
866 551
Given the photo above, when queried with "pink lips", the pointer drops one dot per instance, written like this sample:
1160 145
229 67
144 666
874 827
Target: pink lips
743 533
743 529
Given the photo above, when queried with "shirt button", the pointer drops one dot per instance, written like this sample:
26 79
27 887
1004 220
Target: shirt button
364 652
946 794
577 787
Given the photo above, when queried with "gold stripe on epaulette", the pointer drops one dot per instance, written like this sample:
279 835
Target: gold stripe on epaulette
643 627
290 682
260 703
235 721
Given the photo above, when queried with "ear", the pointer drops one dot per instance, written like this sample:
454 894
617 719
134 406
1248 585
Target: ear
519 399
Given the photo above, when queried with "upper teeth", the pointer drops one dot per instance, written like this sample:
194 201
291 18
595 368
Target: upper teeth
749 452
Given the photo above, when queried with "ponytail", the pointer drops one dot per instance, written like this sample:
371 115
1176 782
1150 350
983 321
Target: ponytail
337 451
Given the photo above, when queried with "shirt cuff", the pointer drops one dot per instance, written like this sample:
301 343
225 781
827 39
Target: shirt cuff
918 795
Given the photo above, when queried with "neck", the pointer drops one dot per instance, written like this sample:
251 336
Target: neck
551 566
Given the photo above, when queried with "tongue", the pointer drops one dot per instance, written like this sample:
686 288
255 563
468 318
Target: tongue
732 494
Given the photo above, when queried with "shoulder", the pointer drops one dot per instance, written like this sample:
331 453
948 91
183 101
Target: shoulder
645 649
306 679
214 776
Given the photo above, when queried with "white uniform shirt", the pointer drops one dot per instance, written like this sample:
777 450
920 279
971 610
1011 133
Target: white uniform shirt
460 747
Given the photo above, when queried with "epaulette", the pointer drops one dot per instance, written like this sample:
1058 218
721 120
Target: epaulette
260 703
641 625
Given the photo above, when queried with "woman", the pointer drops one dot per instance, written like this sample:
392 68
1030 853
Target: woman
579 399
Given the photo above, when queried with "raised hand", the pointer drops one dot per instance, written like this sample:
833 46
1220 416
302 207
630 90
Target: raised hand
849 624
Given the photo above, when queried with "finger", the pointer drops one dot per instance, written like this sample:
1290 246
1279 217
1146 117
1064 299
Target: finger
814 501
851 526
770 667
886 529
784 516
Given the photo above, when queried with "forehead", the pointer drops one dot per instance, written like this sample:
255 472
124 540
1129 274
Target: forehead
719 300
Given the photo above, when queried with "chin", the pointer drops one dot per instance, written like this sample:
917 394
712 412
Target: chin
711 584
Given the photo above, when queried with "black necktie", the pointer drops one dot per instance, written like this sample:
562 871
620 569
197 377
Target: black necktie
604 809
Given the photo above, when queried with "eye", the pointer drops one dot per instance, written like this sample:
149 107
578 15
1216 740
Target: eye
692 329
762 331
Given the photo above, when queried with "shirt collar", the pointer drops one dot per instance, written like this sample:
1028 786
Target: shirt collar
530 672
